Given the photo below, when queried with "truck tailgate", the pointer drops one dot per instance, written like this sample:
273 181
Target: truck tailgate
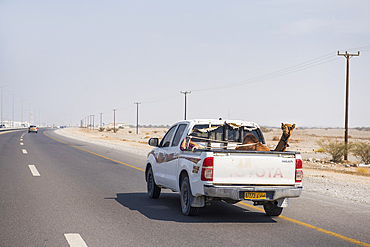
263 169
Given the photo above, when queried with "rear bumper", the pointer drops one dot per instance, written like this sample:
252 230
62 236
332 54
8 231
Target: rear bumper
237 192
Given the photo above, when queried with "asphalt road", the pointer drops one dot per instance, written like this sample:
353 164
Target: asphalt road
63 192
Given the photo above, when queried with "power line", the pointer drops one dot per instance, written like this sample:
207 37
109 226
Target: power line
279 73
293 69
162 99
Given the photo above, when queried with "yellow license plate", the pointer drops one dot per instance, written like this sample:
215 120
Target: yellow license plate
254 195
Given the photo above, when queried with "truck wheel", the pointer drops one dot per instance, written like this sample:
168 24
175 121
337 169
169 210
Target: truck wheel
186 197
271 209
153 190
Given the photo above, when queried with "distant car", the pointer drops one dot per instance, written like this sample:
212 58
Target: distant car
32 128
2 126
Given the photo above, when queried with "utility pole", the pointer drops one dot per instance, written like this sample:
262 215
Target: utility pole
101 120
348 57
29 115
137 116
2 104
93 121
13 112
114 120
22 116
185 93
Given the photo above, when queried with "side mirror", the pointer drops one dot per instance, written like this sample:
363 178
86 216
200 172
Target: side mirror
153 142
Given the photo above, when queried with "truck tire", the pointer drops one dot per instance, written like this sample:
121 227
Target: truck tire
186 197
271 209
153 190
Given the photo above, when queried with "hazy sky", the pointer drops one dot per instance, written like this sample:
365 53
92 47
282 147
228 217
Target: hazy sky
262 61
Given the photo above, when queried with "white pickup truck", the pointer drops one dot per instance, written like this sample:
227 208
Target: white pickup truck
198 159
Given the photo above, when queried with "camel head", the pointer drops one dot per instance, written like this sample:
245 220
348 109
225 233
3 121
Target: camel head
287 129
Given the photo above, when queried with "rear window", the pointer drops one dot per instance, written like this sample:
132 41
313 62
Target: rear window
225 132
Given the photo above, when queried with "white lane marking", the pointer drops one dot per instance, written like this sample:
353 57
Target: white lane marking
75 240
24 151
21 143
34 171
21 140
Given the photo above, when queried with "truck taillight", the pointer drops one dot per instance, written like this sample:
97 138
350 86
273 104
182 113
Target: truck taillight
298 171
207 169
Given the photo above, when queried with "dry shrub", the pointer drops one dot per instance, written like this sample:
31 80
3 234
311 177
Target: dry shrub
320 150
334 148
362 151
265 130
276 138
362 170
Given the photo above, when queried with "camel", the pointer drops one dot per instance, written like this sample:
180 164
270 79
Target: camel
252 144
287 132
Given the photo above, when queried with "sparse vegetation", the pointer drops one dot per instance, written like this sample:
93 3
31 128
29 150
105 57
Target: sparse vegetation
320 150
112 129
276 138
265 130
101 129
362 151
334 148
363 128
362 170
